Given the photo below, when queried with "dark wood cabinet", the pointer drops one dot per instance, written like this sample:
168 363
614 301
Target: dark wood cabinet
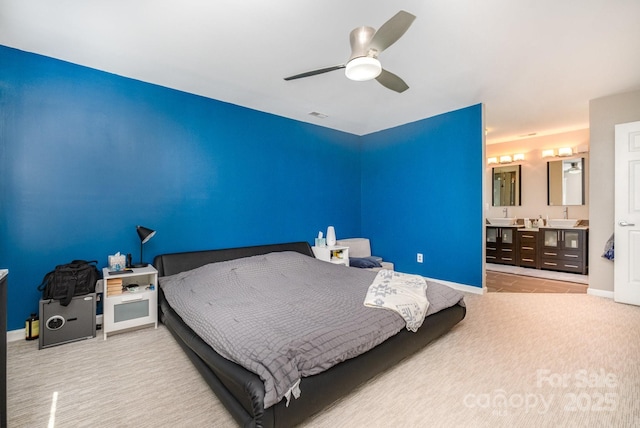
528 248
501 245
564 250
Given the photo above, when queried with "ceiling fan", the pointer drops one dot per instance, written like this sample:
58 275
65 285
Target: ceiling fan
366 45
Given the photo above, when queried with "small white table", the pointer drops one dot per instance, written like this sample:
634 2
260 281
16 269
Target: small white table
128 309
336 254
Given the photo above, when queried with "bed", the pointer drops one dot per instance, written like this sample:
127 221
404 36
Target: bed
243 391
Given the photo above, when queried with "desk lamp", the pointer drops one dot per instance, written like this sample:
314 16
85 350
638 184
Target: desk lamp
145 234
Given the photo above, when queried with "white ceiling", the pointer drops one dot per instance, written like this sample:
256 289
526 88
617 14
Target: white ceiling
535 64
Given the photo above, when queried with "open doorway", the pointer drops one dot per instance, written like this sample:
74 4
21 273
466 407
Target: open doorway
534 196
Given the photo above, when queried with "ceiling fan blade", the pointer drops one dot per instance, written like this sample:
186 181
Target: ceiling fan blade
391 31
314 72
391 81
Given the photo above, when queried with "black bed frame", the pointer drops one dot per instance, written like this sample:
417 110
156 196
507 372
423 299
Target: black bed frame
242 392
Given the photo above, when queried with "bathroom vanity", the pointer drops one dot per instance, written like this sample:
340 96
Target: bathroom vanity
558 244
564 249
552 248
527 239
501 244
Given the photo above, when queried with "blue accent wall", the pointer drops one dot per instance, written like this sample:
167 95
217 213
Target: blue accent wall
422 193
86 155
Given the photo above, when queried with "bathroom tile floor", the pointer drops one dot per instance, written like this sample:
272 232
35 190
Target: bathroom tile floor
505 282
538 273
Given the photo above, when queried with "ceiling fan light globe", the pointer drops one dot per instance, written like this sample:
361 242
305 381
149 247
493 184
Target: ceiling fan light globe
363 68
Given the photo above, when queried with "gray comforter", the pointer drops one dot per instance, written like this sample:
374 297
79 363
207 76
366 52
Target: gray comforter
285 316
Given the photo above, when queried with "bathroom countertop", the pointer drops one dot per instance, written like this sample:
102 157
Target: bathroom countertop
536 229
566 228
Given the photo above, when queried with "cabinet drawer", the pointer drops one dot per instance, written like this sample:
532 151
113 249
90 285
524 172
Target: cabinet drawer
528 237
562 265
500 257
507 256
527 261
528 253
527 248
554 254
570 255
130 310
567 255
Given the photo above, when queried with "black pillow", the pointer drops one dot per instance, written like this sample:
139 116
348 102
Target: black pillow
363 262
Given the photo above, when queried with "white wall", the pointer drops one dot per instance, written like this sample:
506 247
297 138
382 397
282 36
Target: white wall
604 114
534 175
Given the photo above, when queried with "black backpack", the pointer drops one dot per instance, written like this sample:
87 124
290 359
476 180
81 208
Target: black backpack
72 279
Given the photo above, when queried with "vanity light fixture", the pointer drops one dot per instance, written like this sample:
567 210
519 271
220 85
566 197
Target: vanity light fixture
505 159
565 151
562 152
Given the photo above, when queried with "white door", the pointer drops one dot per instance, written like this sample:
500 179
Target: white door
627 214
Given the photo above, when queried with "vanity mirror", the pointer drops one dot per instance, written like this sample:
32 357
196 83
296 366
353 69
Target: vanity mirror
506 185
565 182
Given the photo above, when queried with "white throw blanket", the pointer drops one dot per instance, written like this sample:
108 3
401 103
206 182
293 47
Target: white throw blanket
403 293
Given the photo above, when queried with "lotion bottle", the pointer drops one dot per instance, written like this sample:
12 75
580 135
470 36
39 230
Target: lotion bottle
331 236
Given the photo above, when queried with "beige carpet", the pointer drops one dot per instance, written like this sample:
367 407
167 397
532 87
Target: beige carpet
526 360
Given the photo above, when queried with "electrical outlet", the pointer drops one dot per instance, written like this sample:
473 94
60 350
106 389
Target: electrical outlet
419 257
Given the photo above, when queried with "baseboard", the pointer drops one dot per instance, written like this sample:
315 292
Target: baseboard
16 335
461 287
600 293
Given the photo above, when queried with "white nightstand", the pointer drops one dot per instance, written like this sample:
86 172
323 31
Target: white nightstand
336 254
124 309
